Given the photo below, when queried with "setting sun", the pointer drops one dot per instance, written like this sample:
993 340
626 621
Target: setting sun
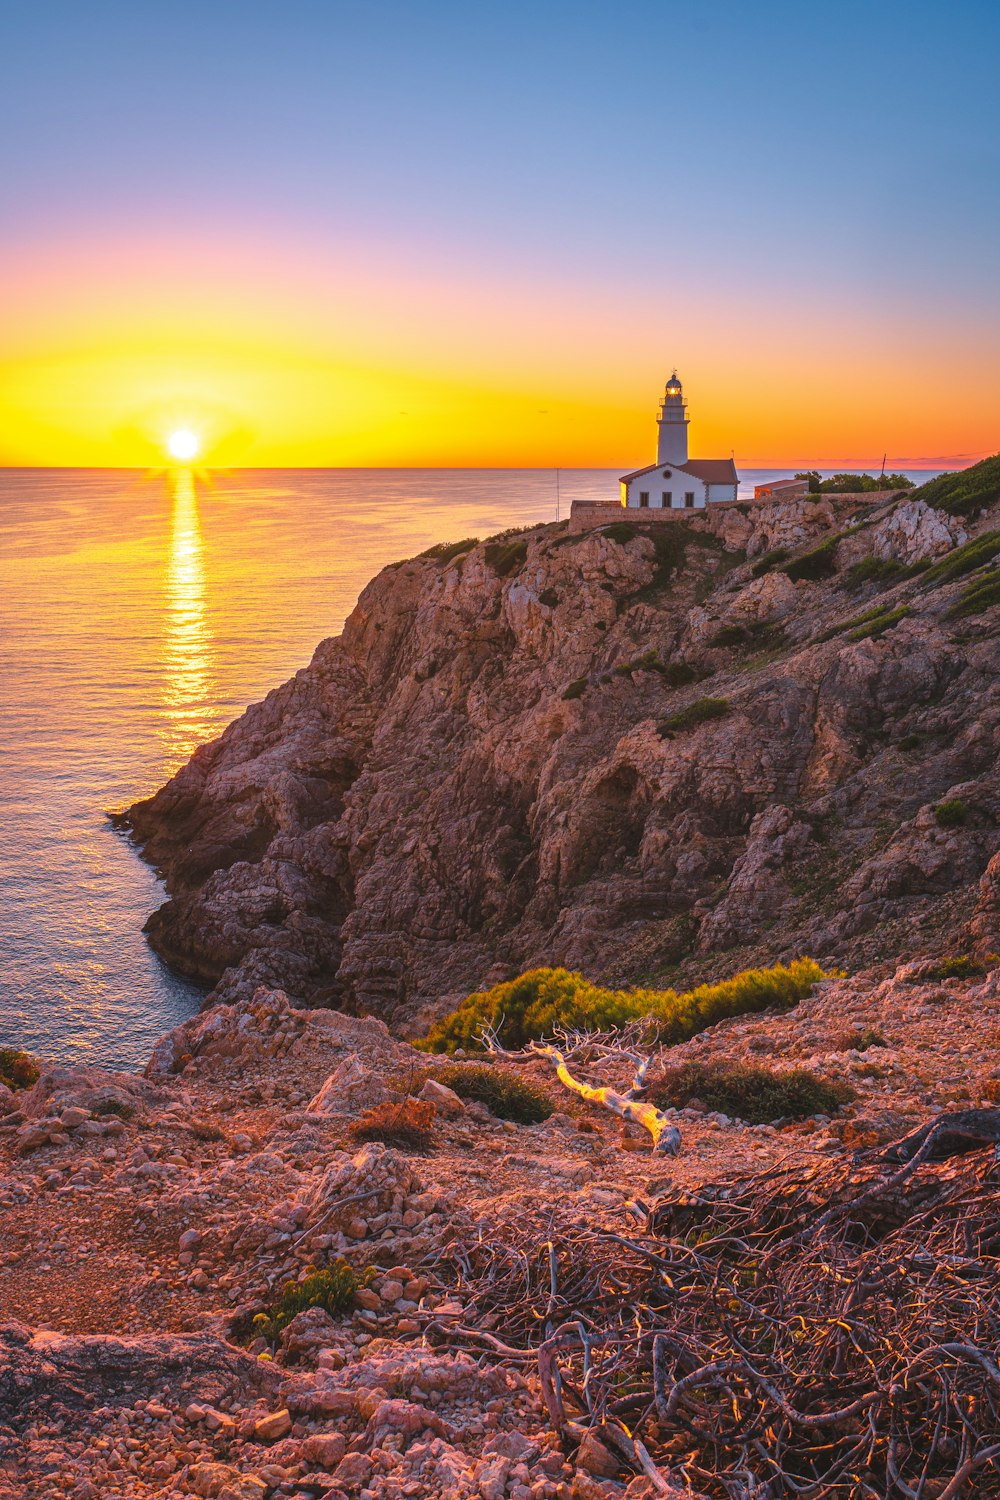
183 445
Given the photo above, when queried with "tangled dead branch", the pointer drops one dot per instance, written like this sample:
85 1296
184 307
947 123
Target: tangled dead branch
602 1049
827 1333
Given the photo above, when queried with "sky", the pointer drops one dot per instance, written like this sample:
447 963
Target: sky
328 233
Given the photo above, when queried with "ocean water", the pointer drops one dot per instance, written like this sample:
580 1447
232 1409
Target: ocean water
139 614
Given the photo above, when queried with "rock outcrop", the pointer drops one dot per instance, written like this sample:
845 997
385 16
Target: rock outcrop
503 761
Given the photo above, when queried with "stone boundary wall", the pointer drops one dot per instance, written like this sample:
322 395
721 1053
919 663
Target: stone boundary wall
585 514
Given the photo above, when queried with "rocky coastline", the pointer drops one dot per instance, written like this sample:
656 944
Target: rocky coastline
500 763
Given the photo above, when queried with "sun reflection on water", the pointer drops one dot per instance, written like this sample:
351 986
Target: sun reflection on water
188 676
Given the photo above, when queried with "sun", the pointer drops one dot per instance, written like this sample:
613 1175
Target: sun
183 444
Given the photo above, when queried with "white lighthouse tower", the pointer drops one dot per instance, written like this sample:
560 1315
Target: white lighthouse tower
672 421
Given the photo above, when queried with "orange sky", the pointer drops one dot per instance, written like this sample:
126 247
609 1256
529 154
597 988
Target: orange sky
285 355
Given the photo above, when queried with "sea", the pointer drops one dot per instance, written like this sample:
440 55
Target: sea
140 612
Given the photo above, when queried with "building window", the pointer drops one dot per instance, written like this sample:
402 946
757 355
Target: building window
668 499
644 498
689 499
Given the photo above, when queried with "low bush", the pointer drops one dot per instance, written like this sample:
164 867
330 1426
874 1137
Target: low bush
909 742
964 560
965 493
768 561
408 1123
680 673
445 551
17 1069
814 565
729 635
504 1092
542 1001
333 1289
870 627
872 569
549 598
122 1111
699 712
649 661
505 557
576 689
751 1092
860 1039
952 813
979 596
956 966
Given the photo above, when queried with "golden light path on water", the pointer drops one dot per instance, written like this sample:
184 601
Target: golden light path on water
188 657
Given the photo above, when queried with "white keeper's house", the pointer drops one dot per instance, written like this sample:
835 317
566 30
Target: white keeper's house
676 482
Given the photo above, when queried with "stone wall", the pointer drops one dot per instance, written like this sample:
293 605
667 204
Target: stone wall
585 514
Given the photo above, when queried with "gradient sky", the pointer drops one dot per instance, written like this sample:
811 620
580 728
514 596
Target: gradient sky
442 233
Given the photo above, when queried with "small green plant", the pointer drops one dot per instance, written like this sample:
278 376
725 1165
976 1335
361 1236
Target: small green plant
979 596
576 689
680 673
860 1039
333 1289
910 742
870 627
549 598
445 551
409 1123
17 1069
965 493
729 635
769 561
956 966
649 661
505 557
964 560
820 562
952 813
542 1001
122 1111
872 569
749 1091
504 1092
699 712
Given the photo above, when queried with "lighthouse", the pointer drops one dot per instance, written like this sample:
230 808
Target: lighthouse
672 422
676 482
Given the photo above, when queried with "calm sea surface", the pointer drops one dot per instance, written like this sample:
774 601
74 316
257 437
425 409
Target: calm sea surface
139 614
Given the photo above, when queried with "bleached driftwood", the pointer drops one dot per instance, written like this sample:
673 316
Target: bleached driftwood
629 1105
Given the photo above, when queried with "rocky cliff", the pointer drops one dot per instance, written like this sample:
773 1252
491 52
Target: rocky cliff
621 751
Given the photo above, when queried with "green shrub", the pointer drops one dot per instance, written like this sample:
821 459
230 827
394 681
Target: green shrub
333 1289
863 484
505 557
730 635
549 598
814 565
860 1039
979 596
872 569
699 712
965 493
408 1123
680 673
952 813
576 689
17 1069
909 742
768 561
504 1092
445 551
649 661
542 1001
749 1091
122 1111
959 966
870 627
963 560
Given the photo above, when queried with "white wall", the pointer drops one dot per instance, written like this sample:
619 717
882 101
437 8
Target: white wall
678 485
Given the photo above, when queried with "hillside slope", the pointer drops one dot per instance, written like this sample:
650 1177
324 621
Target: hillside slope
508 758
